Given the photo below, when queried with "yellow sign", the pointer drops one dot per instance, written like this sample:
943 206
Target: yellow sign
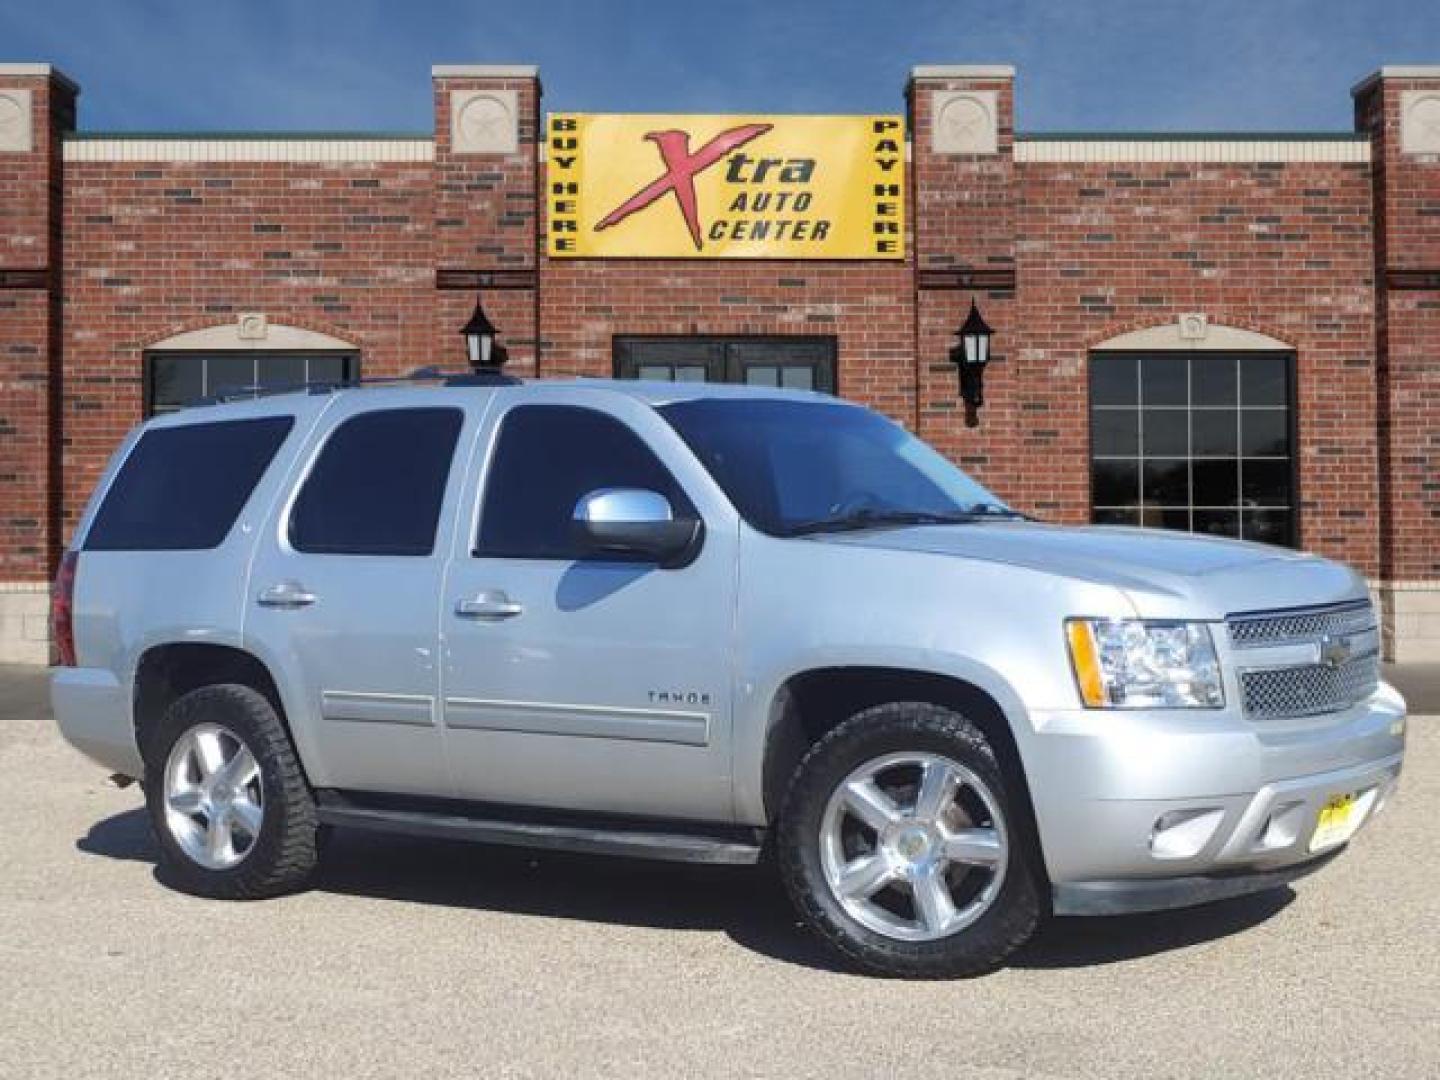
726 187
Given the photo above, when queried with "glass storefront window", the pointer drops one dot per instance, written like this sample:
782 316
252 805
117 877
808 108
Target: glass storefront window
174 379
1200 442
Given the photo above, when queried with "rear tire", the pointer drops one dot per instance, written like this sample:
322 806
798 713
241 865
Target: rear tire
903 848
227 798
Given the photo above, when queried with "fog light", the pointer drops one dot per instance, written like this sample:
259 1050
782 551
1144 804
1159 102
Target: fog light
1180 834
1282 828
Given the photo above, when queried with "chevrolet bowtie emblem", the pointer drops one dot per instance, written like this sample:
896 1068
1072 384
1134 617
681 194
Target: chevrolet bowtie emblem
1335 650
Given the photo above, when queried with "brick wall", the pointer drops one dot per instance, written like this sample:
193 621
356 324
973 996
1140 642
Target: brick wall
1062 255
1407 257
30 357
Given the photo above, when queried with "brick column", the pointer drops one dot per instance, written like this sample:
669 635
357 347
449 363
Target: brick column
1400 108
486 236
963 207
37 105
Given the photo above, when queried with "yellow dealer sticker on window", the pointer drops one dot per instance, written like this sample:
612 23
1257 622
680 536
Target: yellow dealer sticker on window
725 187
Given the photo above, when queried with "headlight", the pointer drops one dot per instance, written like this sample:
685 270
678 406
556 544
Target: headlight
1137 664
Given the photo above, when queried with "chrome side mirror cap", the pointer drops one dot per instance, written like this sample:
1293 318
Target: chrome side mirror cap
635 524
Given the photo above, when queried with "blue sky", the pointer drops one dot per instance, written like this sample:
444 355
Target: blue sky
364 64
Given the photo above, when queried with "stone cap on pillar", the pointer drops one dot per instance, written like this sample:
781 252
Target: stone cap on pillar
484 113
968 105
1396 71
485 71
1416 101
39 71
985 72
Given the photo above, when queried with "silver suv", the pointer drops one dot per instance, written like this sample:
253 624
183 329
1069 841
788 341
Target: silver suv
704 623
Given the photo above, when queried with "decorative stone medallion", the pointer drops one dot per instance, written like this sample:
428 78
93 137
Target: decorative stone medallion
252 326
1193 326
484 122
965 122
1420 121
16 135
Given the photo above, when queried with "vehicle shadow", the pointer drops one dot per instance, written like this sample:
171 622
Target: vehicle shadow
746 904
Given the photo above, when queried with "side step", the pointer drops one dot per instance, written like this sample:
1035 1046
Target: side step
667 841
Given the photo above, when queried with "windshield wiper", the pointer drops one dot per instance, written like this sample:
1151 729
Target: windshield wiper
873 519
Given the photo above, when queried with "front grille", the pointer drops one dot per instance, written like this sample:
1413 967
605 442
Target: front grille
1292 627
1278 693
1318 686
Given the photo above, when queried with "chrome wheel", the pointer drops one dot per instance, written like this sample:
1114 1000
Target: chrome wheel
214 799
914 846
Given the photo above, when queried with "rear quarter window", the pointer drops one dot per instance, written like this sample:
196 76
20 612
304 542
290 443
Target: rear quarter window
181 488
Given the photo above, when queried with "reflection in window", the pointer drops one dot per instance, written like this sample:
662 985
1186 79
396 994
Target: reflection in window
1199 442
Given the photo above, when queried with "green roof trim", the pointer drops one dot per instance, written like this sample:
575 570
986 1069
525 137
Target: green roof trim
251 136
1191 136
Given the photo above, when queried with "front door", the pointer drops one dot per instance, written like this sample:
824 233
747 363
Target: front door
581 683
794 363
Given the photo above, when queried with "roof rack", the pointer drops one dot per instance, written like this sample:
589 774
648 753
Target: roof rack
419 375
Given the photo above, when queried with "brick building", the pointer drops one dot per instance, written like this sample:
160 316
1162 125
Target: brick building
1227 333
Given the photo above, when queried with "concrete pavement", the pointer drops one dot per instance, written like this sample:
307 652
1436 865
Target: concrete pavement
432 959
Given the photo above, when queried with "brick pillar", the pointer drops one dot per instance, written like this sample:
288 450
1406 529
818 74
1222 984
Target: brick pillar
963 188
487 128
37 105
1400 108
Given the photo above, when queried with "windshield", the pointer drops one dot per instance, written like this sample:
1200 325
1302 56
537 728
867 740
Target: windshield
792 467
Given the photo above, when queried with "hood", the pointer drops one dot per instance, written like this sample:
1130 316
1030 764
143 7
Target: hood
1165 574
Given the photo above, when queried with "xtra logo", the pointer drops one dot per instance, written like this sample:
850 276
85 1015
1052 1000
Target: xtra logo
681 168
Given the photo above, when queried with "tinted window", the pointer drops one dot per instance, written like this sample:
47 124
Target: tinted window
547 458
787 464
182 488
378 484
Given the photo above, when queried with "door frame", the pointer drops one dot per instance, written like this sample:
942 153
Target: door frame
725 367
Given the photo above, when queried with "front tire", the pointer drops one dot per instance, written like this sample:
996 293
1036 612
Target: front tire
902 846
227 798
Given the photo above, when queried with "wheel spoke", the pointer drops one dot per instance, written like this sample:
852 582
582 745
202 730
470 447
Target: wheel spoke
209 754
938 784
187 801
239 770
218 840
934 906
865 800
865 876
973 847
247 815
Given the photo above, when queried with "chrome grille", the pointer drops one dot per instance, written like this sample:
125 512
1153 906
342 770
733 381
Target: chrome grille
1321 684
1277 693
1288 627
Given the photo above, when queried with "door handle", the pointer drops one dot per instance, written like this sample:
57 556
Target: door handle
286 594
490 604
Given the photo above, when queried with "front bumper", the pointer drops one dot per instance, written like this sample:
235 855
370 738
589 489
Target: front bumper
1148 810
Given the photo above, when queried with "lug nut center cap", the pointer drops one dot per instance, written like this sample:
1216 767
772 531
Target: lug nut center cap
913 844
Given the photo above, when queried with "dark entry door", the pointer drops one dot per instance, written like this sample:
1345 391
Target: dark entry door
795 363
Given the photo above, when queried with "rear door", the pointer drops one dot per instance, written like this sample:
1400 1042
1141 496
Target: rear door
345 587
595 684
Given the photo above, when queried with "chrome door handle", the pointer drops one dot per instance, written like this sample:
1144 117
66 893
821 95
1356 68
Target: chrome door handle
286 594
490 604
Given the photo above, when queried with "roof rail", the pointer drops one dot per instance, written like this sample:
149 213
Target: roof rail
422 374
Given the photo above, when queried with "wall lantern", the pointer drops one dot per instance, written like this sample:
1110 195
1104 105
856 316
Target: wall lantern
970 356
481 348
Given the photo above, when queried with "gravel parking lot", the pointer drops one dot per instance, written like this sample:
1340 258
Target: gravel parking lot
425 958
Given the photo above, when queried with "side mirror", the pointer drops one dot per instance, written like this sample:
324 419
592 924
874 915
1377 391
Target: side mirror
635 523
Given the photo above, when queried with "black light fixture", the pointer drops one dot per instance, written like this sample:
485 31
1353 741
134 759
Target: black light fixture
970 356
481 348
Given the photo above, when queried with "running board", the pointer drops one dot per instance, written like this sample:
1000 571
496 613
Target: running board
670 842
